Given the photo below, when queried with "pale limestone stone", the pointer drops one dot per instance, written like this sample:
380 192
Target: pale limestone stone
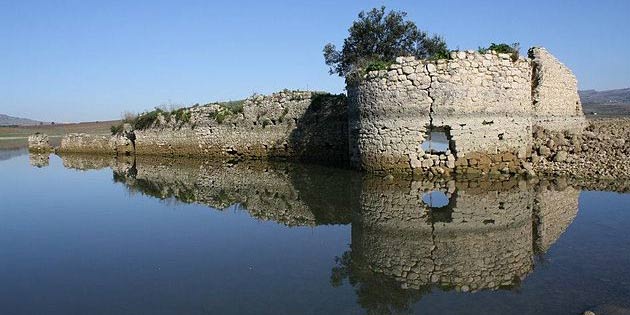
407 70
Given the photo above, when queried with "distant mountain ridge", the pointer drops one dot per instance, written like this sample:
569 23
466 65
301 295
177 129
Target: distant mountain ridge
6 120
610 102
619 96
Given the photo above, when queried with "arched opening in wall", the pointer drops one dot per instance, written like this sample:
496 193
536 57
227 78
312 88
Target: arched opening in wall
437 140
440 206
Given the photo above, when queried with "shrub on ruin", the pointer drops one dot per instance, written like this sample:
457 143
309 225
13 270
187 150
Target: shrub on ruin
147 119
503 48
377 38
323 100
235 107
220 115
376 65
182 115
226 110
116 129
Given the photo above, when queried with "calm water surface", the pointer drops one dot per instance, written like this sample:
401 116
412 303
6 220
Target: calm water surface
83 235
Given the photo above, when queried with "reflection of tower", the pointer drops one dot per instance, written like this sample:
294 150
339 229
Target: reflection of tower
480 240
39 160
483 239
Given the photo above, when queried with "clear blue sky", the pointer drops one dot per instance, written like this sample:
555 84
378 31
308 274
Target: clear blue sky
92 60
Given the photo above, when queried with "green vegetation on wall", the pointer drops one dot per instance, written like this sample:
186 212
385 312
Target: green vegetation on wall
226 110
503 48
376 65
377 38
151 119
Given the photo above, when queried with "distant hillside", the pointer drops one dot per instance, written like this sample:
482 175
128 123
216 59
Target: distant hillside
6 120
620 96
608 103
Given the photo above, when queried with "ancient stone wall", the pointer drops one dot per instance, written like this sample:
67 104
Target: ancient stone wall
86 143
294 125
388 118
39 143
484 100
555 99
95 144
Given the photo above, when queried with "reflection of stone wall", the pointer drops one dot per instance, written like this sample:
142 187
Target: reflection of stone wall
555 208
485 238
266 191
478 260
39 160
84 162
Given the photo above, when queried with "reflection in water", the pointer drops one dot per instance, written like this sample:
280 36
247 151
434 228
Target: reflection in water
290 194
484 239
39 160
484 235
7 154
93 162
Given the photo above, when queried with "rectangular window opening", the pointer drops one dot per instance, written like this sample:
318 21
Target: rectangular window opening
437 140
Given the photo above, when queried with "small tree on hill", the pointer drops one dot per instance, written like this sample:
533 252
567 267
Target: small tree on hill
377 38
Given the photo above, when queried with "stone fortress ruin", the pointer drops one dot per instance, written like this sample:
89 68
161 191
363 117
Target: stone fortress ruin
497 115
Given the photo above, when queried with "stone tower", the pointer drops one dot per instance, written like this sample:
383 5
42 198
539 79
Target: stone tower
485 104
